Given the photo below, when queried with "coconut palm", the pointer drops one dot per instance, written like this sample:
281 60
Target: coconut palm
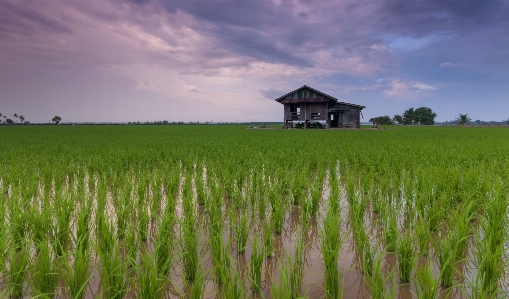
463 119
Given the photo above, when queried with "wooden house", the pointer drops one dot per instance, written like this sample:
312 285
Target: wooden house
307 105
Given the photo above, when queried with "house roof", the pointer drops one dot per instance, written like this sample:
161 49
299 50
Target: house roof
328 97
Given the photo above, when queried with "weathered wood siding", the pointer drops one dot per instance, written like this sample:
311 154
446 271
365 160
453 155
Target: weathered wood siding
351 118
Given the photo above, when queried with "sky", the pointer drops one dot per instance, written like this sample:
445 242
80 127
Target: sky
227 60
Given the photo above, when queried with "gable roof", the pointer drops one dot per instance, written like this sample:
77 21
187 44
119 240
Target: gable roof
330 98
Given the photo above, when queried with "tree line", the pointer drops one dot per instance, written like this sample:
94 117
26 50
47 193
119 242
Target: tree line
411 116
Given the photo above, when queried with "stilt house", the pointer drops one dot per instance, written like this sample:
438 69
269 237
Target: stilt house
307 105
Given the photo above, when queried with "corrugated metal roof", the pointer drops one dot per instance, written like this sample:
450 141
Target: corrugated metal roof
329 98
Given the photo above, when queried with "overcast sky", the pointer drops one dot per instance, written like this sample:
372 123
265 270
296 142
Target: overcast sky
213 60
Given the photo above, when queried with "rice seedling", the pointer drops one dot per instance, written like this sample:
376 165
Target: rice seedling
278 209
445 249
114 273
149 283
256 263
45 273
189 235
423 235
18 270
405 249
282 289
221 257
427 284
382 285
143 219
132 245
196 289
268 238
391 232
364 249
242 231
163 244
77 270
233 286
296 268
331 246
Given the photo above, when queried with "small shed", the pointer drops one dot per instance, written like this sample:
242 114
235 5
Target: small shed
309 105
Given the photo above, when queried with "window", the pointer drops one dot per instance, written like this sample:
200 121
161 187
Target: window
315 115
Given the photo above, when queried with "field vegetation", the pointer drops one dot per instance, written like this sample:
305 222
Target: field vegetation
226 212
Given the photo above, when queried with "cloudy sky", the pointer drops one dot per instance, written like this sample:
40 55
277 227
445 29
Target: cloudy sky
213 60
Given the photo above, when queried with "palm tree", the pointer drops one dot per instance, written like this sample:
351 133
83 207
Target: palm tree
463 119
22 118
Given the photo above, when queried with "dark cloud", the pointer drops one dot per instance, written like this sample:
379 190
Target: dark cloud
425 17
27 20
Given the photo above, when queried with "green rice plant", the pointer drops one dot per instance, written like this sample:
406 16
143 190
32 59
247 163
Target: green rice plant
405 250
233 286
391 232
242 231
189 235
123 211
490 263
18 270
256 264
83 225
282 289
64 209
331 242
19 223
366 254
155 200
296 268
427 285
315 193
40 225
150 284
77 270
278 205
445 249
163 244
113 273
44 273
423 235
132 245
221 257
298 189
460 224
143 219
268 238
106 239
196 289
382 285
201 192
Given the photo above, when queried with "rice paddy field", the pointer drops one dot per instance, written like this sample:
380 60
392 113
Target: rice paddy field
226 212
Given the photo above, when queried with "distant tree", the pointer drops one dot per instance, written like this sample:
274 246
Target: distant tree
424 116
398 118
15 115
22 119
463 119
56 119
9 121
408 117
381 120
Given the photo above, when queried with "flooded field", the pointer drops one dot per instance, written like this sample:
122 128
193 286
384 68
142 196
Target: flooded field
211 212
